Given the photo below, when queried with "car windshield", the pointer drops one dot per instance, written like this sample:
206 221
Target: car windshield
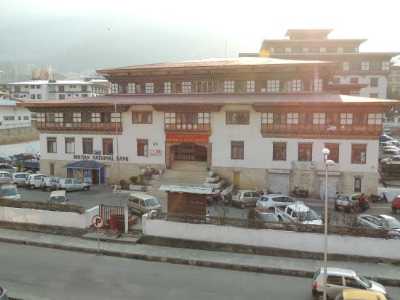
393 223
8 191
152 202
308 215
365 281
57 199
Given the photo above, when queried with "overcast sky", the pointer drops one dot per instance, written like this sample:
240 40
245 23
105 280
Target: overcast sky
76 35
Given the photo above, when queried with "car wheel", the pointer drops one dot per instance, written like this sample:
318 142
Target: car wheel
86 188
242 205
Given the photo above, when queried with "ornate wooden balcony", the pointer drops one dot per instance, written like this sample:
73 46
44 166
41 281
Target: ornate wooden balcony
110 128
317 131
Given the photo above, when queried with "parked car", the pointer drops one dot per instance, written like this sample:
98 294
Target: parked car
347 203
340 279
19 178
357 294
388 153
34 181
270 215
396 205
59 197
273 200
381 222
245 198
5 177
300 213
7 167
50 183
393 159
9 192
142 203
73 184
385 138
3 294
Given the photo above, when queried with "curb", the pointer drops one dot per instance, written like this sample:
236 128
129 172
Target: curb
190 262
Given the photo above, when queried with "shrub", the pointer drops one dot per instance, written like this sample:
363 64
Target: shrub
124 184
133 179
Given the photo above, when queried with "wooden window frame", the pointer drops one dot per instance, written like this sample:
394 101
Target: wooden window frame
229 119
302 154
84 142
142 117
142 147
273 86
69 140
104 143
52 140
279 151
357 156
237 150
267 118
334 151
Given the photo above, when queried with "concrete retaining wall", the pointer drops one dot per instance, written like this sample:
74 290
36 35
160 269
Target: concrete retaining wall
18 135
299 241
49 218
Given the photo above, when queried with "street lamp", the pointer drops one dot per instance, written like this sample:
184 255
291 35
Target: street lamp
327 163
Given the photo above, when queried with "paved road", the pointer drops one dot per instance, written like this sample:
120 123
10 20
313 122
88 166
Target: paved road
37 273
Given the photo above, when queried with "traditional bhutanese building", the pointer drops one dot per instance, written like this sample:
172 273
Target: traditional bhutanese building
259 122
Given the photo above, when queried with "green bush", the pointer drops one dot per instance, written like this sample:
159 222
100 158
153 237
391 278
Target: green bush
133 179
42 206
124 184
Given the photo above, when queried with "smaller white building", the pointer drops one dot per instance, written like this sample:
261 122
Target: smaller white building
13 116
58 89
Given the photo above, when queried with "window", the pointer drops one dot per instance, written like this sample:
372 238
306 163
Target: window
26 118
229 86
250 86
335 280
108 146
186 87
279 151
149 87
33 96
373 82
357 184
346 118
359 154
333 151
105 117
187 120
373 95
305 152
237 150
319 118
84 88
267 118
336 80
385 65
9 118
346 66
375 119
61 97
69 145
354 80
76 117
364 65
237 117
352 282
114 88
359 118
40 117
51 145
131 88
38 96
322 50
273 86
142 147
317 85
59 117
61 89
292 118
96 117
167 87
288 50
295 85
87 145
116 117
142 117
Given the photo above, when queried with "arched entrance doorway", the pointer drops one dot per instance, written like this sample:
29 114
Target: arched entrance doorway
188 152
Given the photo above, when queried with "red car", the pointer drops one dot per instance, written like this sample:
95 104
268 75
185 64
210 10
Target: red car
396 205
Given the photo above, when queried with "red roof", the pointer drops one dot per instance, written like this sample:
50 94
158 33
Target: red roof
182 99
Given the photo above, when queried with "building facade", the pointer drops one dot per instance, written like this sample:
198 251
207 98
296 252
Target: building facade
366 70
258 122
58 89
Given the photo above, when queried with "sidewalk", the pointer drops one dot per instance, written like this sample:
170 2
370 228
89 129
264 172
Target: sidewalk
384 273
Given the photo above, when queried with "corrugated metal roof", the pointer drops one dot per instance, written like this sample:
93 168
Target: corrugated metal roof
210 99
187 189
216 62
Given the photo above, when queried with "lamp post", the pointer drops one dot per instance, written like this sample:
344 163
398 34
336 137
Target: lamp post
327 163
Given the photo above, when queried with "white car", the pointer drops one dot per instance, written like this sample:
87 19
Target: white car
243 198
73 184
9 192
142 203
34 181
301 213
58 197
273 200
5 177
19 178
381 222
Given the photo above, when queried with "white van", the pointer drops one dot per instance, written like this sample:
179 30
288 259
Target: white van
141 203
5 177
58 197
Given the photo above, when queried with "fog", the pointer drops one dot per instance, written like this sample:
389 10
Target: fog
73 36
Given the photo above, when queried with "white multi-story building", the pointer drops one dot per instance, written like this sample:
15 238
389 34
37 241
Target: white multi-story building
13 116
58 89
259 122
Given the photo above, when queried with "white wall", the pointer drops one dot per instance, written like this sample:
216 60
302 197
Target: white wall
381 89
46 217
312 242
16 112
258 150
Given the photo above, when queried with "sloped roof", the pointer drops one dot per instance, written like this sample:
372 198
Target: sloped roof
85 164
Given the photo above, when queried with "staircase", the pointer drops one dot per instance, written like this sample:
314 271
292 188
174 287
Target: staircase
181 173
